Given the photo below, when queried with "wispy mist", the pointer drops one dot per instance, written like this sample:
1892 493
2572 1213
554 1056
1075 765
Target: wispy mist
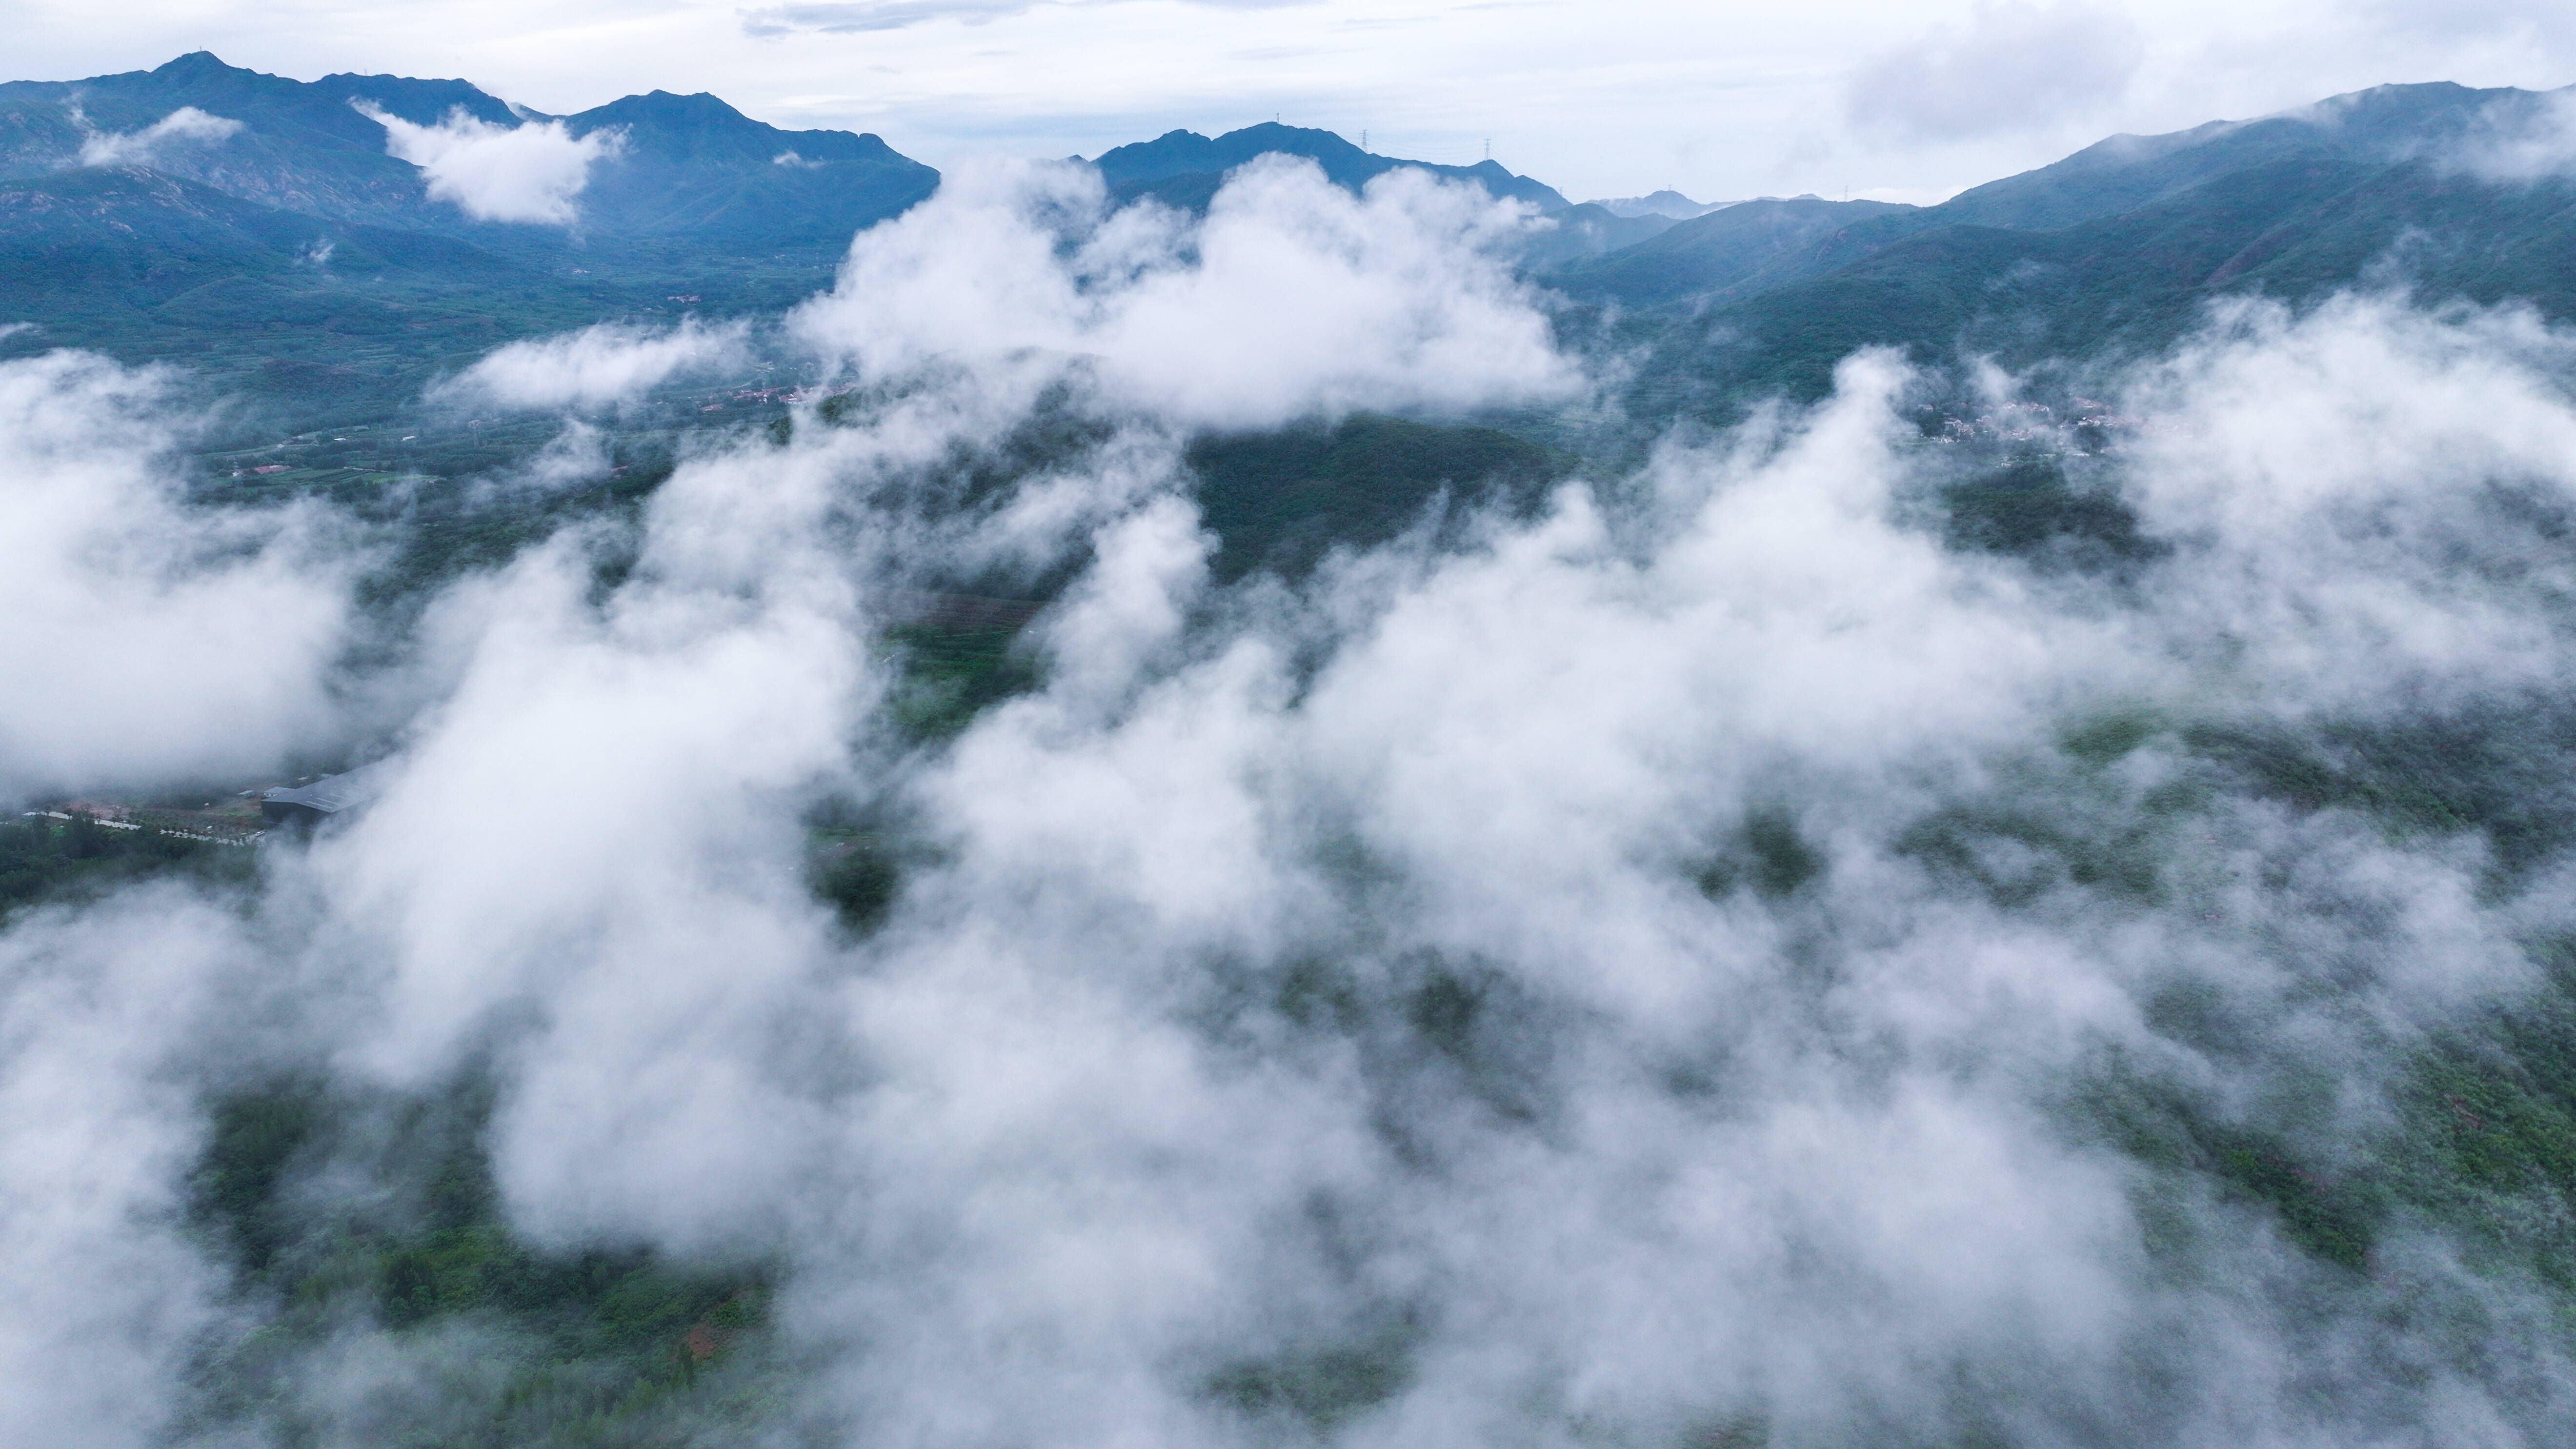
184 126
592 368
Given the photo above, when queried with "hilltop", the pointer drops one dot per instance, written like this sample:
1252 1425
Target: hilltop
1185 168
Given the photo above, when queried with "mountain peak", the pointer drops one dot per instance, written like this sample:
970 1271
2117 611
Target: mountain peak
1184 166
1665 203
195 62
699 106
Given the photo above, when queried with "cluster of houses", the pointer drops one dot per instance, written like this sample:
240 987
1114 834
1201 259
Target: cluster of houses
242 820
2030 422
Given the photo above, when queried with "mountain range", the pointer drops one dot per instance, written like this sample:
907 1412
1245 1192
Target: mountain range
691 165
264 228
2448 192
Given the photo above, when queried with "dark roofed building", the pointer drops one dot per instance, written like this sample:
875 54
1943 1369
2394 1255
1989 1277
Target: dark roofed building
311 804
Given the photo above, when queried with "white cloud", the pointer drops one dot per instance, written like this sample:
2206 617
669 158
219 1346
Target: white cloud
184 126
1500 769
594 368
1384 971
151 639
578 454
1135 1086
531 172
2014 67
102 1296
1402 300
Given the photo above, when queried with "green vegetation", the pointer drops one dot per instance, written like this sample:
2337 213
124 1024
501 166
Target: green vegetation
952 674
1769 853
2162 1126
1281 500
2482 1146
45 859
151 268
2030 508
594 1346
858 874
2015 857
1740 249
2499 770
2486 1143
2481 1142
1325 1387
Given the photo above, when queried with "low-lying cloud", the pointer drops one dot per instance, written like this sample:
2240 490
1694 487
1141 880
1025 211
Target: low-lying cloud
532 172
150 638
2526 139
1405 300
594 368
98 1137
1701 959
182 127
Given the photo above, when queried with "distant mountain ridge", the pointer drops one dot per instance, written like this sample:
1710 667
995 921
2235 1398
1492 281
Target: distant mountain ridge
1665 203
271 228
2114 250
1770 242
1184 168
691 166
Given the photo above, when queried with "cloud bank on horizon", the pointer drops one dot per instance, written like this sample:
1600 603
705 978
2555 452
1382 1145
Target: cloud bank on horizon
1666 969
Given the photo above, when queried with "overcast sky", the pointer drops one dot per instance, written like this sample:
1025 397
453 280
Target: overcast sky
1721 100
